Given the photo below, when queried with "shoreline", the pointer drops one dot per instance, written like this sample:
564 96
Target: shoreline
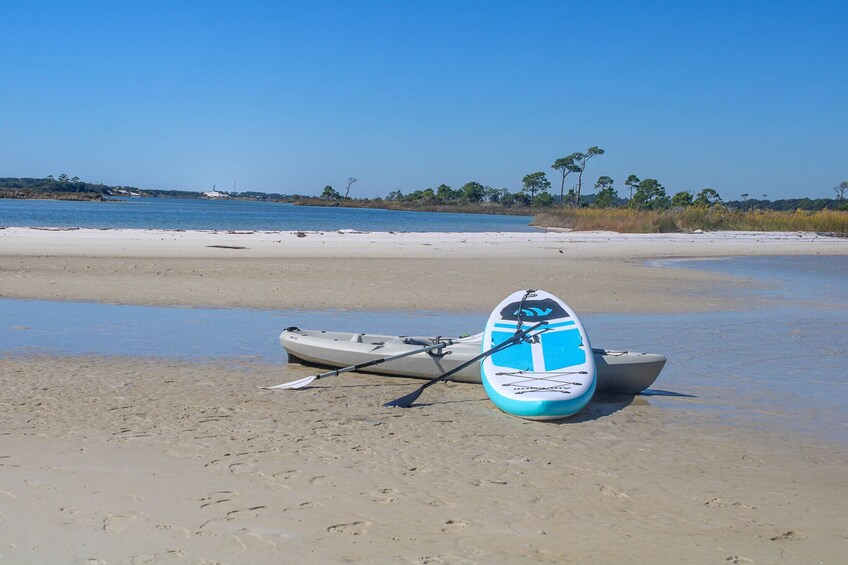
344 269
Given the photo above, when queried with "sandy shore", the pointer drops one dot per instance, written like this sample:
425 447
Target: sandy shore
594 271
144 461
133 460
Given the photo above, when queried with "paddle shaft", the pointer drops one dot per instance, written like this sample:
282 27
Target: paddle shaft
300 383
359 366
406 401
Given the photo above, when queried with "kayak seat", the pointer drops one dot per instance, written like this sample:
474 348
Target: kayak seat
413 341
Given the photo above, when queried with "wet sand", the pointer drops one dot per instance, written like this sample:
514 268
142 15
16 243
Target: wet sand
140 460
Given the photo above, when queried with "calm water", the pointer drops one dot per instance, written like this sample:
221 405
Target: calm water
806 280
776 367
196 214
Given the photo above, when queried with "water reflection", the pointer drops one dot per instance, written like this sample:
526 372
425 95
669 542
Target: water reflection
80 328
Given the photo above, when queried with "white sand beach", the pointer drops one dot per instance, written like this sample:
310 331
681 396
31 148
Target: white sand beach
147 460
595 271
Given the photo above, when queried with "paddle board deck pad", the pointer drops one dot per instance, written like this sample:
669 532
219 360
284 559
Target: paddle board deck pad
550 376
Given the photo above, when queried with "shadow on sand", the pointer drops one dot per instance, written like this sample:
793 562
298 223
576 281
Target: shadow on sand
606 404
652 392
601 405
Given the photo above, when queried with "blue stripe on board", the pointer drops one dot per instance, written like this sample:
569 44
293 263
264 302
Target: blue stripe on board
562 349
518 356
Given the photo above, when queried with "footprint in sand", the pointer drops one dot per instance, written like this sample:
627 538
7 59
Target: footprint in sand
286 475
717 502
546 443
117 523
444 559
242 512
790 535
455 526
178 533
255 542
383 496
230 544
146 559
351 529
442 503
220 497
321 480
610 491
303 506
244 540
229 506
240 468
35 483
279 480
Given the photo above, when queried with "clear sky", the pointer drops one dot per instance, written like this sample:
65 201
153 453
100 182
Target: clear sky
743 97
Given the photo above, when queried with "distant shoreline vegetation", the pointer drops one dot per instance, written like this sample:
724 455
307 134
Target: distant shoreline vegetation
72 188
49 195
648 208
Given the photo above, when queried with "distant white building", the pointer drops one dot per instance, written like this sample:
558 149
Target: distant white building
215 194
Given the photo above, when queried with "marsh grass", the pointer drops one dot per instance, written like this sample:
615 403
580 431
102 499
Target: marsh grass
41 195
460 208
714 218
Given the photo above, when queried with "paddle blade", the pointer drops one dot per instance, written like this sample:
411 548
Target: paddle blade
405 401
300 383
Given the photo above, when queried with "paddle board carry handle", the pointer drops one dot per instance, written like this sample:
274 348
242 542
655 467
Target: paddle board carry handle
520 312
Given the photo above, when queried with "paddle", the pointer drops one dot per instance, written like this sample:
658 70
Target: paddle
300 383
406 401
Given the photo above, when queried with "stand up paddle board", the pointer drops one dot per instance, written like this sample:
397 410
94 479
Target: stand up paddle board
550 376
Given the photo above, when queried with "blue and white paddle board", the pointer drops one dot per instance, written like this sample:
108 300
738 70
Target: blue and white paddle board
551 375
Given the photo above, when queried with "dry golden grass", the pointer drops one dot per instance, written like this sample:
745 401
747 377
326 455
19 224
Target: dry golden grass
624 220
40 195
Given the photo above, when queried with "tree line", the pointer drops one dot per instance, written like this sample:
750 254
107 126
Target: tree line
643 194
535 192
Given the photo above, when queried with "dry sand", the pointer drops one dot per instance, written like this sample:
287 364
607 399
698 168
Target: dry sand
594 272
146 461
134 460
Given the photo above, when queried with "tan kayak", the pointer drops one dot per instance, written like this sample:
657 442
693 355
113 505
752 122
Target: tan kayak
621 372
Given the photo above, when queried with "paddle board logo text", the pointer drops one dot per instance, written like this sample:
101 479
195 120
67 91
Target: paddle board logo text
533 312
536 310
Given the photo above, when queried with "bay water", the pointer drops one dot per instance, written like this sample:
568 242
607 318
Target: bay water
780 365
242 215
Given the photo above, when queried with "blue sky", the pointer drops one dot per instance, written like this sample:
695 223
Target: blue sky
742 97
